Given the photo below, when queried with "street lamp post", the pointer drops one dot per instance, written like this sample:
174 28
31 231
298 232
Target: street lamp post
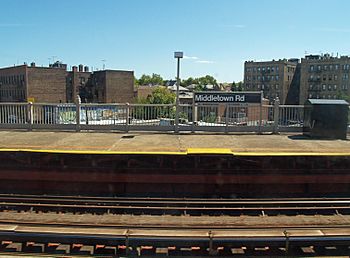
177 55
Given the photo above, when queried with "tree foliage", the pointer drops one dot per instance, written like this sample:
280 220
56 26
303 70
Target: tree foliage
154 79
160 95
237 86
342 95
201 82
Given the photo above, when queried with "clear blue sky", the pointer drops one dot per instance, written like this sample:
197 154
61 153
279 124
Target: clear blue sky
217 36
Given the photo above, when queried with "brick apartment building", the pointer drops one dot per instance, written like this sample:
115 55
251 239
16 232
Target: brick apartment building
276 78
54 84
324 77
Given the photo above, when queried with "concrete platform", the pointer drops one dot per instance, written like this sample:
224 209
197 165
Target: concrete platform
175 144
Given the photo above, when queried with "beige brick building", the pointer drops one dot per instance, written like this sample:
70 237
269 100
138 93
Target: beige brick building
276 78
54 84
324 77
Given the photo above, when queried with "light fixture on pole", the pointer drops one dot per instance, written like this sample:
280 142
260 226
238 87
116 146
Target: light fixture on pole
177 55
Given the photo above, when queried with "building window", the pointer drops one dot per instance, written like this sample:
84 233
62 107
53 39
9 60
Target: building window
277 77
258 86
258 77
335 77
331 67
310 87
277 86
263 69
310 96
329 87
318 68
311 68
277 68
258 69
262 86
324 77
325 67
336 67
254 69
335 87
330 77
272 69
324 87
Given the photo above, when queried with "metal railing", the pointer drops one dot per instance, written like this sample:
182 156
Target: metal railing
151 117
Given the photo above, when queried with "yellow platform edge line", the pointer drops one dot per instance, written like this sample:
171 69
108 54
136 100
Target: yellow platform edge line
190 151
96 152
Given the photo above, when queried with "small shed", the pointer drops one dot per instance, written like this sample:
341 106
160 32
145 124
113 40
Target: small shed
326 118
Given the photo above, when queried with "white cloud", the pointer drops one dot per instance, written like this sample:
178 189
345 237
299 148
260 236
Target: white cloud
205 62
191 57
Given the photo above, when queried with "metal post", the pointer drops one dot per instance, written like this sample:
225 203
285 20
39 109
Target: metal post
286 234
226 117
211 250
30 116
177 55
177 96
127 242
194 115
77 112
260 113
127 106
276 114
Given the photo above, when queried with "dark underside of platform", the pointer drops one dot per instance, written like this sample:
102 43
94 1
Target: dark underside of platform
174 175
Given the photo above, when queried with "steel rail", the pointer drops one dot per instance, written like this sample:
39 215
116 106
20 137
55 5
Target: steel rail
172 201
192 208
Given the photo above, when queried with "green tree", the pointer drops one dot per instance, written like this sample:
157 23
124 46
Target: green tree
154 79
342 95
237 86
162 95
207 80
201 82
189 81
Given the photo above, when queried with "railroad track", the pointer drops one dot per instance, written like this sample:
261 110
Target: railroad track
281 242
175 206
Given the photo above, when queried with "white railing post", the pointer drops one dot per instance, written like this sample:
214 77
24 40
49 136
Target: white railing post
194 116
276 114
226 117
127 122
30 116
260 112
77 112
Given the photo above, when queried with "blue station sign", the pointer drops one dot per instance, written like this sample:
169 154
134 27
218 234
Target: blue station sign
227 97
